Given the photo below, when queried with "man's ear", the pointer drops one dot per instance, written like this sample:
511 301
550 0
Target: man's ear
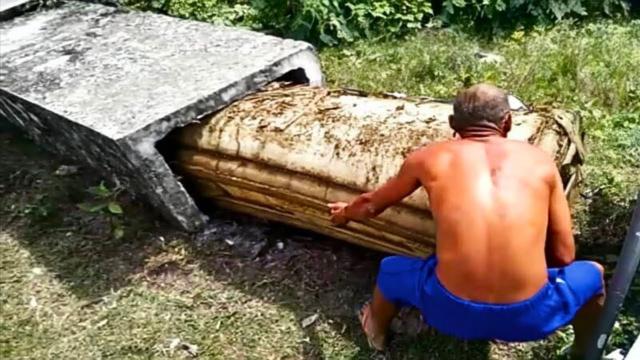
506 123
451 122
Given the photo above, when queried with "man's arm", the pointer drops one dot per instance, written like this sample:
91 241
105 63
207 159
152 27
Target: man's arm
560 247
373 203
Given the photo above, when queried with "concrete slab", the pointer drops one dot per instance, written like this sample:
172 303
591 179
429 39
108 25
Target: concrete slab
8 4
13 8
104 85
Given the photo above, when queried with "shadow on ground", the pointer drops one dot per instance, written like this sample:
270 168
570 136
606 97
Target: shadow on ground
300 271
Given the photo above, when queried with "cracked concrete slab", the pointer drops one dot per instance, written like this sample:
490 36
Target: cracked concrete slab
103 85
13 8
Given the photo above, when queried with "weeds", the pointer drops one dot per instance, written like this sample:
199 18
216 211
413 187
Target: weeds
319 21
105 201
496 16
40 209
332 22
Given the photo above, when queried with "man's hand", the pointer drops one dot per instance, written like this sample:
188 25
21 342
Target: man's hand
373 203
560 247
338 213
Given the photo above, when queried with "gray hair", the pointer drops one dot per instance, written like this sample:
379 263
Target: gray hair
479 103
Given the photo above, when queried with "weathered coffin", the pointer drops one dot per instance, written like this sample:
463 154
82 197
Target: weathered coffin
283 153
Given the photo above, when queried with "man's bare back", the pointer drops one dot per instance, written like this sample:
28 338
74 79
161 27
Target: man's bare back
504 261
491 231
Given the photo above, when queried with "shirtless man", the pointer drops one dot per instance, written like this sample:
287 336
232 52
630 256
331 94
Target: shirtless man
504 261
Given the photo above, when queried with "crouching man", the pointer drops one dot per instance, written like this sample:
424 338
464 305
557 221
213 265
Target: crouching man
504 265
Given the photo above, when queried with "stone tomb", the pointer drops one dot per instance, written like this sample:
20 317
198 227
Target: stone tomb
103 85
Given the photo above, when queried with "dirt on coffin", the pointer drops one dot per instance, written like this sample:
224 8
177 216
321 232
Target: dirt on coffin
283 153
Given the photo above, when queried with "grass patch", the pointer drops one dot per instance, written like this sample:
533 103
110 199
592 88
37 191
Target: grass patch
563 65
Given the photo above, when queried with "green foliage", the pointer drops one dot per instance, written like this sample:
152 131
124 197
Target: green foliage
41 209
325 22
220 12
333 21
215 11
496 15
566 65
105 201
625 329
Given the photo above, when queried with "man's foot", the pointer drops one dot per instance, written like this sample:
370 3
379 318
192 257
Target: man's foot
376 340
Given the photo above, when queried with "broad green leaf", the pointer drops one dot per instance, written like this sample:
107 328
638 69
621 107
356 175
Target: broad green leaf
115 208
558 9
100 191
329 40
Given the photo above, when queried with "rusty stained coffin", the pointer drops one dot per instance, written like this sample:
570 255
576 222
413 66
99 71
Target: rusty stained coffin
281 154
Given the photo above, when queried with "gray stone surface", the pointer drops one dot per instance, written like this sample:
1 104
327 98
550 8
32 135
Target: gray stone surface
8 4
103 85
13 8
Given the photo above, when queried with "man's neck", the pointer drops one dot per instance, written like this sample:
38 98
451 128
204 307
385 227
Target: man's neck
482 131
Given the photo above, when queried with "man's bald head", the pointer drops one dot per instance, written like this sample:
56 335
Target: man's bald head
482 103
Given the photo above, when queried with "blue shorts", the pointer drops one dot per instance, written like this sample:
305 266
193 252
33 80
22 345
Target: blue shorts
413 282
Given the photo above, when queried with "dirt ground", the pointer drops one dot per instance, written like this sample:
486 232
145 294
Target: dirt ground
242 289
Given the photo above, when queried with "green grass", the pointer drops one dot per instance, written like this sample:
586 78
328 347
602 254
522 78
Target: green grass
69 289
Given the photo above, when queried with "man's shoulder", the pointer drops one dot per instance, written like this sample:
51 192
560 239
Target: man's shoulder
534 159
531 151
431 149
432 155
447 148
441 146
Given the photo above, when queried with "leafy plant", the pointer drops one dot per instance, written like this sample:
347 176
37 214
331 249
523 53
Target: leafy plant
325 22
221 12
495 16
105 201
42 208
332 21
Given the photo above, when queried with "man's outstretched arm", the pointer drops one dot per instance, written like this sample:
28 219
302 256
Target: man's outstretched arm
560 247
373 203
